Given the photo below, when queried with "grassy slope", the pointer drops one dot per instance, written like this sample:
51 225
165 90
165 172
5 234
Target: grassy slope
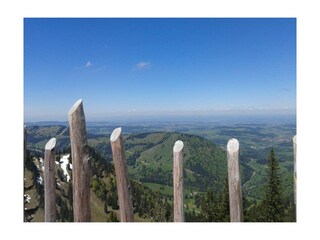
204 162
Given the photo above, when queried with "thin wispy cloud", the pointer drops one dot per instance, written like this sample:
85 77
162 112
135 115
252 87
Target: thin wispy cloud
88 64
142 65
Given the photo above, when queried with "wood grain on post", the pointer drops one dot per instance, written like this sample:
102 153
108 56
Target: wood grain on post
80 163
123 183
294 140
178 181
49 181
235 193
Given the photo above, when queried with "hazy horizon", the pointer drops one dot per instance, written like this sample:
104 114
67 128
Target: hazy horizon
286 116
135 114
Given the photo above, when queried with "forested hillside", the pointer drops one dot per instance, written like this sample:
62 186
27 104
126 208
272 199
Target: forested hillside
149 158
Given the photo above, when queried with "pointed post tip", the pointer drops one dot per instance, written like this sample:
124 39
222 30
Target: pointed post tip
115 134
178 146
233 145
51 144
75 106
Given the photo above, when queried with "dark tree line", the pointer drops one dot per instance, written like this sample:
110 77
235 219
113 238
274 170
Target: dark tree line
273 208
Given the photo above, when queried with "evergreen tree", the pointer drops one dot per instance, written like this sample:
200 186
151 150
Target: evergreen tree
192 217
209 207
253 210
112 217
159 212
274 199
223 211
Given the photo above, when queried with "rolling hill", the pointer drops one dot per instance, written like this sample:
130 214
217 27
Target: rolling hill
149 155
149 158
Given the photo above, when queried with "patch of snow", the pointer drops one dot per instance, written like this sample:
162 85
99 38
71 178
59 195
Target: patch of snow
64 162
28 198
40 180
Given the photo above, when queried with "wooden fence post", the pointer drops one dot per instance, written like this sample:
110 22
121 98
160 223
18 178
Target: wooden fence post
123 183
235 193
80 163
49 181
294 140
178 181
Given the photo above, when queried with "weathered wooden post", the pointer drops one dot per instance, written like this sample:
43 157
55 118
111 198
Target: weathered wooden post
123 183
49 181
294 140
235 193
80 163
178 182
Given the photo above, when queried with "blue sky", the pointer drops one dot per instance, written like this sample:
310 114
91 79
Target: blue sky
139 67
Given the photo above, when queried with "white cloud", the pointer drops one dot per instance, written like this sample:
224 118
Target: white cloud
88 64
142 65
